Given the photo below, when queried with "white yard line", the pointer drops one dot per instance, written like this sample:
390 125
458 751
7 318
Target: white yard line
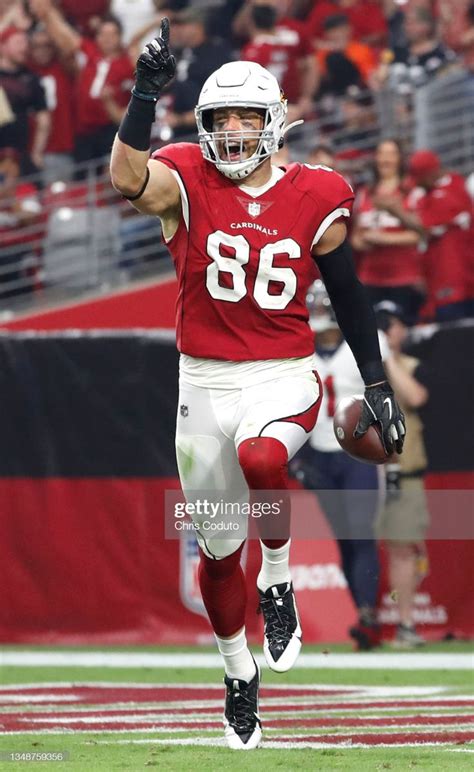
216 710
194 740
36 698
221 743
186 724
342 689
356 661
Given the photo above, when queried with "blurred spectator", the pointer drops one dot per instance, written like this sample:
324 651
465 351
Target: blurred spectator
198 57
104 79
389 262
343 62
397 40
365 16
440 212
466 39
355 141
20 210
133 17
322 155
452 18
286 52
402 523
21 94
57 83
426 56
347 489
219 16
14 13
84 15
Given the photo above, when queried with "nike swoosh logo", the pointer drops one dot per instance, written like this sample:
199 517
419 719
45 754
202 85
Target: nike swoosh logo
387 399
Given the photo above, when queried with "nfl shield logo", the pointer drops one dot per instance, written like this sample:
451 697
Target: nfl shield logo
183 409
254 209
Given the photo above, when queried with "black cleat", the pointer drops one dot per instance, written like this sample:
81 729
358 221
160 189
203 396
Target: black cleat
282 631
243 728
366 637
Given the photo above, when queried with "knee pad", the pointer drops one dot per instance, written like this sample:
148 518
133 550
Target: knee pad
220 568
263 461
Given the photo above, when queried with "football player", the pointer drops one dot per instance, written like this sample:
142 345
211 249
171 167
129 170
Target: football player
244 236
347 489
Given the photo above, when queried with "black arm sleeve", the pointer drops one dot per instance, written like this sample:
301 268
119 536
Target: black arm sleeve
354 313
135 126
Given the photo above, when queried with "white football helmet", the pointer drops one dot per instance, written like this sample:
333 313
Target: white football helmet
240 84
321 314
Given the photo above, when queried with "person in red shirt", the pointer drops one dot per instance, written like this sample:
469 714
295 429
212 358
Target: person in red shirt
342 61
86 14
280 45
20 232
389 262
366 17
244 236
57 83
104 76
439 210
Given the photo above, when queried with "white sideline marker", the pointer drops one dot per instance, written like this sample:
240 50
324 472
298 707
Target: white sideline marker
355 661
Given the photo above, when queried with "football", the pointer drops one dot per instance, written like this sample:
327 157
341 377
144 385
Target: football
368 448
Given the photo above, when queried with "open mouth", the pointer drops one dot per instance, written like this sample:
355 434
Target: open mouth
234 151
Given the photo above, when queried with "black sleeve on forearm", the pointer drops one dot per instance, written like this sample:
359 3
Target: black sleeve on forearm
354 313
135 127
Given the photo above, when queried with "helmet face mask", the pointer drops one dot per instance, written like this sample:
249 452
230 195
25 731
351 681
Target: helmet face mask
240 85
321 313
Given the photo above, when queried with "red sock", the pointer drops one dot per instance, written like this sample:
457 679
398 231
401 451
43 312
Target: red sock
264 462
224 592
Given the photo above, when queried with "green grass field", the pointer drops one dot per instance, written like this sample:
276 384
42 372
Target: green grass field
133 718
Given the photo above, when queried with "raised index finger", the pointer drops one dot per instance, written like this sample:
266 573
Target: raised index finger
165 30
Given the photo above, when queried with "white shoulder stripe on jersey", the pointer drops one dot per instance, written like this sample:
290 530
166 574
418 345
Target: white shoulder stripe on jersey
184 199
340 212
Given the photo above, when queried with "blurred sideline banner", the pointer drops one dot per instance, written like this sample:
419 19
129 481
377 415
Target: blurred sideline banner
88 450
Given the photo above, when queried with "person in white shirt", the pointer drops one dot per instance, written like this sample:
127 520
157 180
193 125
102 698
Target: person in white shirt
347 489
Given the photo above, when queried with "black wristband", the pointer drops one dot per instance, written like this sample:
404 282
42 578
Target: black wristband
373 372
135 128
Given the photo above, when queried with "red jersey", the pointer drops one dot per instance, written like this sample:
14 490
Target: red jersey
385 266
445 212
366 18
81 13
59 100
244 263
97 72
280 52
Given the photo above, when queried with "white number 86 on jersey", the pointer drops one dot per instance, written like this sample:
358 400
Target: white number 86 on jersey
266 272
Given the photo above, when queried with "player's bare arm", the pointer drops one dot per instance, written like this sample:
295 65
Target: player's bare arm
149 185
332 238
356 319
64 36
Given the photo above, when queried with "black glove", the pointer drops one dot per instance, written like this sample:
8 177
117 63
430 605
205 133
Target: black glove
155 66
380 407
